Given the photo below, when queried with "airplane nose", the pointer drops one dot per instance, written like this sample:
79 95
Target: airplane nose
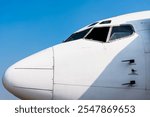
7 82
32 77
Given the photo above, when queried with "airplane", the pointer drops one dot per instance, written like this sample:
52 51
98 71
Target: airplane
106 60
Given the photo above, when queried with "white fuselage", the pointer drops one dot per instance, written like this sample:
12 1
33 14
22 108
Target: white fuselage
87 68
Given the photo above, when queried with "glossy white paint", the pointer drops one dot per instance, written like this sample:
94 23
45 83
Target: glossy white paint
32 77
88 69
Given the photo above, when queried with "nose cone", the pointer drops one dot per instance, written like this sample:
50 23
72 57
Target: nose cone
7 81
32 77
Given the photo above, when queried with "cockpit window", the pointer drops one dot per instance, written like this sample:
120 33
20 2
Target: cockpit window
121 31
99 34
93 24
78 35
106 22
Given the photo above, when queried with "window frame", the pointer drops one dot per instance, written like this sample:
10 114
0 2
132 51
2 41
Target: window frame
111 28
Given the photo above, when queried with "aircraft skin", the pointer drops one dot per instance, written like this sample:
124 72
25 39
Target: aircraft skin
109 59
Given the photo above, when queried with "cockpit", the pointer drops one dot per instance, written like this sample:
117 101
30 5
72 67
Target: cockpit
103 33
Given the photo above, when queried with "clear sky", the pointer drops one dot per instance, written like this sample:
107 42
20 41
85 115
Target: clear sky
28 26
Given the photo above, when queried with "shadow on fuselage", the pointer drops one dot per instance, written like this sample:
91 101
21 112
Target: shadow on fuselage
109 84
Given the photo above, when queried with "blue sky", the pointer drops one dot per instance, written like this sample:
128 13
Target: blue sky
28 26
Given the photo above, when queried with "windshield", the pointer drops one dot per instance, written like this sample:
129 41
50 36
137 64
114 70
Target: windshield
78 35
121 31
98 34
101 33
